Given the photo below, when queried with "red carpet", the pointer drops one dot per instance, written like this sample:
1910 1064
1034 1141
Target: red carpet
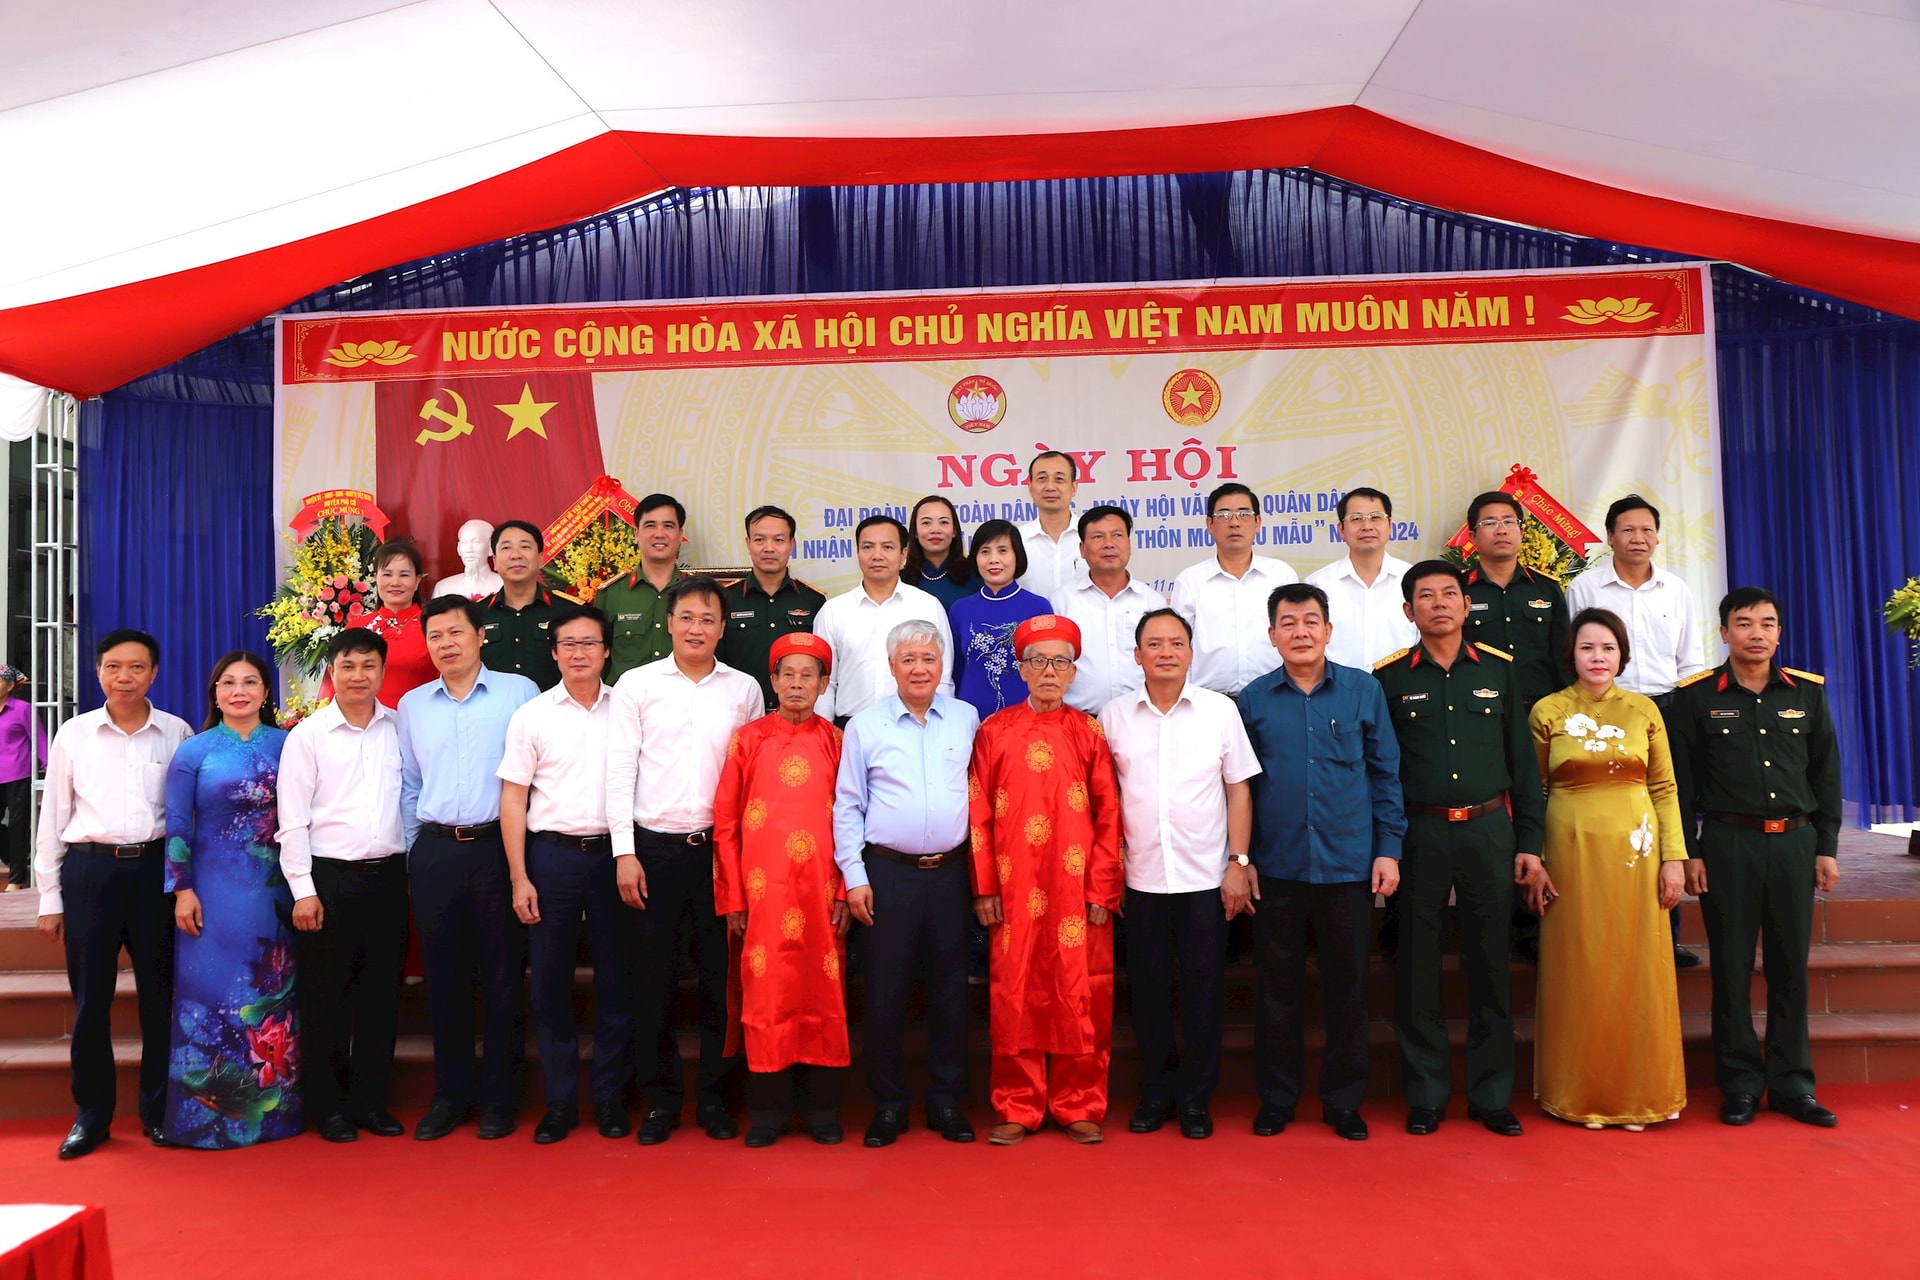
1694 1199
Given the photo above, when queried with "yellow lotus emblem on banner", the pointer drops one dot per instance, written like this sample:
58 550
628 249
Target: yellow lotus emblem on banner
351 355
1595 311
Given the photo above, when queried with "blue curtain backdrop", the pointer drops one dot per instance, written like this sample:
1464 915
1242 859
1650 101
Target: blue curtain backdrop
1820 414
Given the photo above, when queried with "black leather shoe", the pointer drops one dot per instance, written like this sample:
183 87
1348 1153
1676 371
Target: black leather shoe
1348 1124
950 1123
612 1118
158 1137
80 1141
886 1126
1422 1121
1498 1120
497 1122
562 1118
762 1135
658 1127
1802 1108
442 1118
1739 1109
1196 1122
339 1127
829 1134
718 1124
1272 1119
379 1122
1683 958
1150 1115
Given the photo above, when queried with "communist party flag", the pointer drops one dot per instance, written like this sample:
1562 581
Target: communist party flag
449 450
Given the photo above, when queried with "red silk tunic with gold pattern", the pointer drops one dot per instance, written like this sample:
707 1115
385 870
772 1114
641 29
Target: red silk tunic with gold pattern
1046 839
773 859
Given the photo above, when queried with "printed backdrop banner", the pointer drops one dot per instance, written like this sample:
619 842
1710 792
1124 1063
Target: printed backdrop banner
1428 387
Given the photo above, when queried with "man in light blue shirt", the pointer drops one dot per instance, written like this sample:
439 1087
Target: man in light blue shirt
900 836
453 733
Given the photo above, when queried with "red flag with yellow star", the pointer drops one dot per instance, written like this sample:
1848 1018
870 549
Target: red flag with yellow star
450 450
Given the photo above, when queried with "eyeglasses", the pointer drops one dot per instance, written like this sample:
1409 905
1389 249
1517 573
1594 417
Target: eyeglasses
1049 664
576 646
1501 522
1237 515
1367 517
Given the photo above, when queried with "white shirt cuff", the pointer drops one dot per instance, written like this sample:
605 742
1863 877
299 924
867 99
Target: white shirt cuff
302 887
50 904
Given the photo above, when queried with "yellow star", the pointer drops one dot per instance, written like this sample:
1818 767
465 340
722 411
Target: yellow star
527 413
1191 396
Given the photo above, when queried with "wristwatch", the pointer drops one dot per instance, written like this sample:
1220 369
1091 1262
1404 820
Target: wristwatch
1240 858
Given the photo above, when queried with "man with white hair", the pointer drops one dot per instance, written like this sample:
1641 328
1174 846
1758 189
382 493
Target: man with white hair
900 836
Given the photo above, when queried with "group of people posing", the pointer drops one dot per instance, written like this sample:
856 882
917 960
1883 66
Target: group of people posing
754 780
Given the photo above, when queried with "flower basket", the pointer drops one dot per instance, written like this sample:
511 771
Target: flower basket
1552 539
592 542
1903 614
329 583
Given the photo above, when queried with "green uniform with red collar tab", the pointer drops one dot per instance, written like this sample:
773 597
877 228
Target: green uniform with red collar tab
638 611
1763 772
517 640
1472 786
756 619
1528 619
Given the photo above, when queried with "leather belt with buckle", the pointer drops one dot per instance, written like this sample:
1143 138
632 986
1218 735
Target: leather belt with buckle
586 844
124 852
1772 826
464 832
1467 814
702 836
921 861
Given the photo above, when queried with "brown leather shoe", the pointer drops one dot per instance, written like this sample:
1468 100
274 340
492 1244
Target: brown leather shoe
1085 1132
1006 1135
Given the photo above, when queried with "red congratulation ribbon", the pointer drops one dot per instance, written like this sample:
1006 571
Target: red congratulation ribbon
1524 484
602 497
354 504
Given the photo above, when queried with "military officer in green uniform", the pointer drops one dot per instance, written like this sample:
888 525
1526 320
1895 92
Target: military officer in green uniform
769 602
1755 755
1475 822
514 628
635 603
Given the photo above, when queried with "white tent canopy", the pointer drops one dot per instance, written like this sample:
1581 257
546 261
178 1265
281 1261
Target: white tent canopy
180 167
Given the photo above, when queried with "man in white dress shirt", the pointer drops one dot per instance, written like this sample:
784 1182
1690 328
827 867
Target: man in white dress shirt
1183 760
553 821
1107 606
1363 587
1663 628
1052 543
98 858
1224 597
344 857
672 721
855 623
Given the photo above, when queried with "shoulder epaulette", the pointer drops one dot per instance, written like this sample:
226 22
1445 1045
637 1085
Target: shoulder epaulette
1804 675
732 582
1392 658
1696 677
1498 653
568 595
1554 579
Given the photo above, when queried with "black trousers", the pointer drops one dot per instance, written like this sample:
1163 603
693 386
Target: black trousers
577 889
1472 862
350 973
1183 936
1337 918
679 895
919 918
1759 884
112 903
471 944
770 1096
19 860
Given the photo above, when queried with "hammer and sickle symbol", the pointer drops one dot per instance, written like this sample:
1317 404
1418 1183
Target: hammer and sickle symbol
457 424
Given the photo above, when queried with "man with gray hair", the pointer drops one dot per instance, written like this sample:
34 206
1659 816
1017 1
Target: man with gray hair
901 838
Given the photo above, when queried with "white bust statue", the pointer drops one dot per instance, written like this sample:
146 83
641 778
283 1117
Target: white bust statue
477 578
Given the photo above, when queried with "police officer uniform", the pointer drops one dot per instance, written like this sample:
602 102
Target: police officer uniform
755 619
516 640
1763 769
638 611
1472 786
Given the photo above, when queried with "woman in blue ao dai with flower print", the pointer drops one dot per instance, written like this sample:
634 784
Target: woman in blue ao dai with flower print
233 1074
